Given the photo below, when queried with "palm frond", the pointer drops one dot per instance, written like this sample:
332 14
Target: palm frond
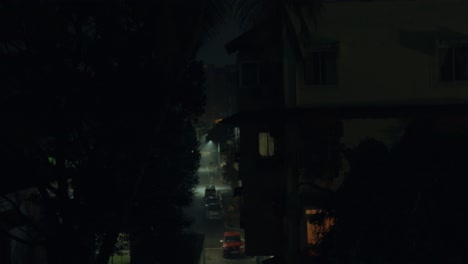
216 14
251 12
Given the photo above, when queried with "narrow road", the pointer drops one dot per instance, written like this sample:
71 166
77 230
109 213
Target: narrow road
212 229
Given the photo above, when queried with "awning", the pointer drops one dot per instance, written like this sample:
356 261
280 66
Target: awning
348 112
317 199
426 41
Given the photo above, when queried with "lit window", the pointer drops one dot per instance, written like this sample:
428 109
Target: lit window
266 144
317 224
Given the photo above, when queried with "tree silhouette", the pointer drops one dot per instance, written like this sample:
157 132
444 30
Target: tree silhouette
101 97
397 202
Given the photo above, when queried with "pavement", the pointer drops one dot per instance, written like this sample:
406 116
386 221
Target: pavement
213 229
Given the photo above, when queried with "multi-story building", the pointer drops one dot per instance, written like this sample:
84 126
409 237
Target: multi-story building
306 90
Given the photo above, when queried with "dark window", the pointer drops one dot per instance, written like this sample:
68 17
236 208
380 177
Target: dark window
453 64
267 74
249 73
214 208
230 239
210 190
320 67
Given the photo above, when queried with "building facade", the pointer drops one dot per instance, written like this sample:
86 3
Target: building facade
309 91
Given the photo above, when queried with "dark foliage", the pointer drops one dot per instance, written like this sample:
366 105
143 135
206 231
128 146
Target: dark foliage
101 97
404 204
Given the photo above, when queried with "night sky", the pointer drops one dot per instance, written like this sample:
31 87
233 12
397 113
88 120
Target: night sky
213 51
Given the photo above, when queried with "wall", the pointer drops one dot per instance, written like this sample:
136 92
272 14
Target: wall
387 51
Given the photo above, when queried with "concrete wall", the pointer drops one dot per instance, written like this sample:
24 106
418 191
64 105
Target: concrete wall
387 51
387 130
260 211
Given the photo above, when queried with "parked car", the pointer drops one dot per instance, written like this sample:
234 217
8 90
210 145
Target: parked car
214 211
210 191
233 244
212 200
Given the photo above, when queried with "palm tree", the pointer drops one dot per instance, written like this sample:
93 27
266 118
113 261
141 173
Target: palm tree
253 12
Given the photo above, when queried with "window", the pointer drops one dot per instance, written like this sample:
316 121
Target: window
266 144
230 239
249 74
317 224
214 207
268 74
237 139
320 67
260 79
453 62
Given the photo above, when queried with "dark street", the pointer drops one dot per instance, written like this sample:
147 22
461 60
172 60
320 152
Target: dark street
212 229
246 131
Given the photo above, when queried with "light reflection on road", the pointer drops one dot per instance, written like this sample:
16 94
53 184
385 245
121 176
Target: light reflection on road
212 229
